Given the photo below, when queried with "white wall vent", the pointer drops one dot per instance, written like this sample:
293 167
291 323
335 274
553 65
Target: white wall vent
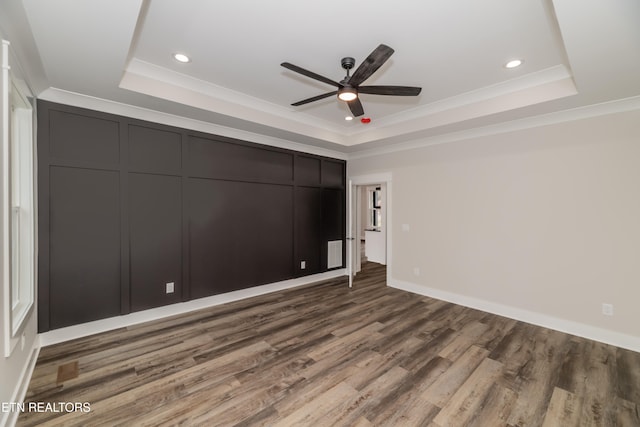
334 254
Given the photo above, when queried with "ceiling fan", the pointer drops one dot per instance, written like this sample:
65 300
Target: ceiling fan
349 87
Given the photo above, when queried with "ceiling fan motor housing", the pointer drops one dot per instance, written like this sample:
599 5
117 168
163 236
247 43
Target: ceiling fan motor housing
348 63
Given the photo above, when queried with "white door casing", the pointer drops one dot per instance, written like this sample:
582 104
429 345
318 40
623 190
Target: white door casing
384 179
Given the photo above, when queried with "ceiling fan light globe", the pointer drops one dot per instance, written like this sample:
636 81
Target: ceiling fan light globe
347 94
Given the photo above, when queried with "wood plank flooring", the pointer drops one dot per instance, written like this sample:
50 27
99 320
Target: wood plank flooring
324 355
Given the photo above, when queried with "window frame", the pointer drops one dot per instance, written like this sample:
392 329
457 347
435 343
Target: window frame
18 202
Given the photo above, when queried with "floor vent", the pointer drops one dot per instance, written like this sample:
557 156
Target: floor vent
334 254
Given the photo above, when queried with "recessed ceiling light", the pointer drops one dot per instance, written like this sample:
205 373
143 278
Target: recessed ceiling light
513 63
181 57
348 118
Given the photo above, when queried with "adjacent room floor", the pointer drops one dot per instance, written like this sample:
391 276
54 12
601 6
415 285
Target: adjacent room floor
327 355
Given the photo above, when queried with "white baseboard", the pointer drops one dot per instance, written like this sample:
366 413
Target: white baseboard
570 327
10 418
103 325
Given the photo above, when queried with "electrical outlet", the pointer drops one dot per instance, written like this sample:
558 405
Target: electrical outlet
303 265
607 309
170 287
416 271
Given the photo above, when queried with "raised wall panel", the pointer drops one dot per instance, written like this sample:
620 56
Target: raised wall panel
126 206
76 138
308 229
210 158
332 219
155 223
84 245
307 170
332 173
332 213
240 235
154 150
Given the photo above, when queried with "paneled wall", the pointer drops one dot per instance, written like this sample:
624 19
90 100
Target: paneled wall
126 207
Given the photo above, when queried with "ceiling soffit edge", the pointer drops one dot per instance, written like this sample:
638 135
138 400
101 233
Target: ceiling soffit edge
508 101
594 110
162 83
545 85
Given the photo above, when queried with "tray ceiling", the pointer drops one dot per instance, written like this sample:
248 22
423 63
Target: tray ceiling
575 52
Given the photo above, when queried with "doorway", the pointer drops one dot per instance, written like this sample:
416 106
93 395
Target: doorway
371 228
369 220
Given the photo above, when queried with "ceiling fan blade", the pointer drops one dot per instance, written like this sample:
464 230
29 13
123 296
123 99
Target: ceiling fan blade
391 90
310 74
370 65
356 107
315 98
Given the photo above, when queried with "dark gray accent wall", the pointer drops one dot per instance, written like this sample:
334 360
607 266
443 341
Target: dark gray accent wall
308 228
240 235
308 171
126 206
82 140
165 145
84 245
210 158
155 239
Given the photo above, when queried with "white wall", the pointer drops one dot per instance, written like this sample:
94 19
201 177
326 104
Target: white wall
541 224
15 369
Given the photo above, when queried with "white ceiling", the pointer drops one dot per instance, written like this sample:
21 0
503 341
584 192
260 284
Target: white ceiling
576 53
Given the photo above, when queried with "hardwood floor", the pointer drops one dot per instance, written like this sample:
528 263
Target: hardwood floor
325 355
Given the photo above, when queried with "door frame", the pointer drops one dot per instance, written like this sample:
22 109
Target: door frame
353 209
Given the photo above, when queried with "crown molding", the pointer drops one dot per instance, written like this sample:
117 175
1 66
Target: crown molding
594 110
533 88
540 86
153 80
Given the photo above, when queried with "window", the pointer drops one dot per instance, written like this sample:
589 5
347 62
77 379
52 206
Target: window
22 215
17 201
375 208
